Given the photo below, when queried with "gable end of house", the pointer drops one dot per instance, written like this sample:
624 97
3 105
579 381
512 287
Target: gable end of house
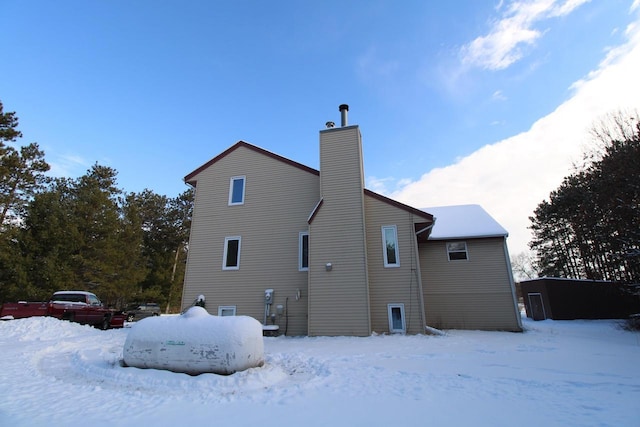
192 180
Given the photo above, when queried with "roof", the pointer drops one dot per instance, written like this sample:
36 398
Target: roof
419 212
73 292
565 279
422 228
463 222
191 178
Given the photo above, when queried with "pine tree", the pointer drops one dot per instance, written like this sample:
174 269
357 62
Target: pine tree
21 176
21 170
590 227
165 225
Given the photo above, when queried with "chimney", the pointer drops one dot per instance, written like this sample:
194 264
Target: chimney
343 114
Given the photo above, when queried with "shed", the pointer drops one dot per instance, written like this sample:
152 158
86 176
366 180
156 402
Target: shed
566 299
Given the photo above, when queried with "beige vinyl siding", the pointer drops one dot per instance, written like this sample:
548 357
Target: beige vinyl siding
278 200
341 164
338 299
388 285
468 294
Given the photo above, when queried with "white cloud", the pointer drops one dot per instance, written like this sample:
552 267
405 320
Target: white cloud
382 185
565 8
504 43
378 185
511 177
498 96
67 165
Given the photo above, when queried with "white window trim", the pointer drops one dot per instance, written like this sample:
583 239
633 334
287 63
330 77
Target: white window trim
300 251
226 246
384 246
466 251
222 308
244 186
390 307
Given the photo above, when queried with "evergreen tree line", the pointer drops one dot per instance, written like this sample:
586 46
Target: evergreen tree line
590 226
85 233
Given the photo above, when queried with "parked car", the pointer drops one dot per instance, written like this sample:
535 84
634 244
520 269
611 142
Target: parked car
75 306
140 311
22 309
83 307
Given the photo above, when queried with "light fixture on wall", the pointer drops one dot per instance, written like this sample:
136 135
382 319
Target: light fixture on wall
328 267
298 295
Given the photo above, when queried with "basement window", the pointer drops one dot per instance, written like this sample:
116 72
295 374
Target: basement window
457 251
397 323
226 310
236 190
231 258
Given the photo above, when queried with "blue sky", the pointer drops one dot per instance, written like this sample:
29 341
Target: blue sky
154 89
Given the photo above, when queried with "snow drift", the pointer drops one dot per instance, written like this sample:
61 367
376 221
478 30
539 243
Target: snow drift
195 343
557 373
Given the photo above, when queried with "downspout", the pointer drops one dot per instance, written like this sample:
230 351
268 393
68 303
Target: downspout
423 315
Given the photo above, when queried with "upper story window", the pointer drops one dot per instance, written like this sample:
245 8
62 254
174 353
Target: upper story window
236 190
457 251
390 246
303 251
231 258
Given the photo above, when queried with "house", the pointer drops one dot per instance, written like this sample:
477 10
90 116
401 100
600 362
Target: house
313 252
468 283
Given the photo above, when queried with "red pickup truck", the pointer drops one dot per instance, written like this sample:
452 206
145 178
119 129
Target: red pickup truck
75 306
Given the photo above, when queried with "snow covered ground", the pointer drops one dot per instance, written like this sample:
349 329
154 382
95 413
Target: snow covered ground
557 373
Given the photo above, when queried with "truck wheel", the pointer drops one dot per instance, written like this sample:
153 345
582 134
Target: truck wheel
130 318
105 323
68 316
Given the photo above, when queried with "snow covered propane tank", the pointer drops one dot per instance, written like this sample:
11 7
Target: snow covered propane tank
195 343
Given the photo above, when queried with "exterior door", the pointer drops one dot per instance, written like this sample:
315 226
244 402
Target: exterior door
537 306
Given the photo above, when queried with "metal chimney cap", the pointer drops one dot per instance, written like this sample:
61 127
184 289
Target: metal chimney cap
344 108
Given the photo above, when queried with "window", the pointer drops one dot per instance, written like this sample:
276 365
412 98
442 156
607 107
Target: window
226 310
457 251
390 246
303 251
236 190
231 259
396 318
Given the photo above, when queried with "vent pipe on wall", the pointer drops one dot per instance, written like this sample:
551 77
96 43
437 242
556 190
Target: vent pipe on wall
344 108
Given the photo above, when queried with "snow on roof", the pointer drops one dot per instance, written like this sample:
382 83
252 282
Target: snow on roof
462 222
73 292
